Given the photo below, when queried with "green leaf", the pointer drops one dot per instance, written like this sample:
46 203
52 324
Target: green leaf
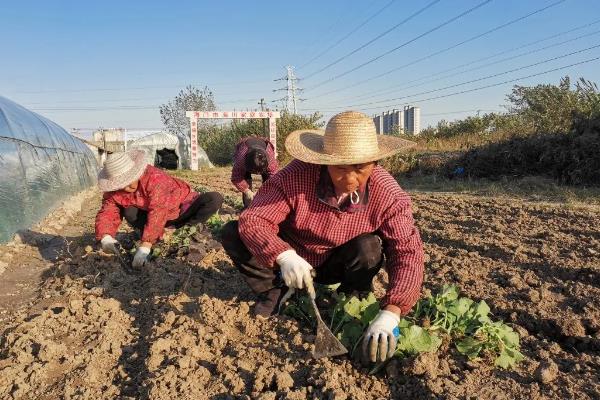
482 310
351 333
508 358
449 293
509 337
369 313
404 324
469 346
460 307
367 301
352 307
416 340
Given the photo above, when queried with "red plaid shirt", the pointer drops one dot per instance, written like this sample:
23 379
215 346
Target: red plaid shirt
288 202
163 196
239 172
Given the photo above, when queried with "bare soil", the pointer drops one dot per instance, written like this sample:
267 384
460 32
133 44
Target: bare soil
76 325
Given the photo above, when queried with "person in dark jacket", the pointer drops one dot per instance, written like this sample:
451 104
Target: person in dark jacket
253 155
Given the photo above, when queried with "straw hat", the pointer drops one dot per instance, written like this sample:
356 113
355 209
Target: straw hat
349 138
120 169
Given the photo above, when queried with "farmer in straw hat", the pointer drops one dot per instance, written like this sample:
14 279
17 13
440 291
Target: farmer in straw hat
253 155
149 199
334 214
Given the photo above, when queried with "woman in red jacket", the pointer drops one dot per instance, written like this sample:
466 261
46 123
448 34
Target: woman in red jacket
335 214
149 199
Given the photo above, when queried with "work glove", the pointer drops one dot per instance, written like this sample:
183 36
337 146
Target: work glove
381 337
109 244
249 194
295 270
141 256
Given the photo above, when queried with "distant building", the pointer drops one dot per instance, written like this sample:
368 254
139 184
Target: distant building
109 135
112 140
412 120
407 121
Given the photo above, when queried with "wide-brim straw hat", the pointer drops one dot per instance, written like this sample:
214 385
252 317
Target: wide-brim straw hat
121 169
349 138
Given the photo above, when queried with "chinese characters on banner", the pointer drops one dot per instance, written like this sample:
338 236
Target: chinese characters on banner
194 116
231 114
194 144
273 133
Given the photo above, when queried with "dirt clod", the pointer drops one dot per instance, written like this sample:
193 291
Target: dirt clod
284 381
546 372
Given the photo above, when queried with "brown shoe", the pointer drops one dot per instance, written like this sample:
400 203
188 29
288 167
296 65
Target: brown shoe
268 302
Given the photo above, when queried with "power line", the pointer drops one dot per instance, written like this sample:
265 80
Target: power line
477 88
347 35
329 29
458 112
428 80
119 107
479 79
499 27
403 44
139 88
123 107
130 99
376 38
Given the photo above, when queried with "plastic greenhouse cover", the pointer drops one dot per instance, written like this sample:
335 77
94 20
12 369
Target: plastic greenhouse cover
166 140
41 165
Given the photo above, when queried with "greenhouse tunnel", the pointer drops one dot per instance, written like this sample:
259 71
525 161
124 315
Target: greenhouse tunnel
168 151
41 164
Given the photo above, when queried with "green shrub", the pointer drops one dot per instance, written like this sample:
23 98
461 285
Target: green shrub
219 141
549 130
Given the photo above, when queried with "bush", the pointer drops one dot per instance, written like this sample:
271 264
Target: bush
219 141
572 158
550 130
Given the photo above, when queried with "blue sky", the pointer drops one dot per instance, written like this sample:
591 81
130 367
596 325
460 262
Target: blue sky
107 63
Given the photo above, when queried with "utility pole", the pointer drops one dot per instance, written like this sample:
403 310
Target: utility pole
291 99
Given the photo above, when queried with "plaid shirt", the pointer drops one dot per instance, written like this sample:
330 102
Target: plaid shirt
163 196
239 172
288 214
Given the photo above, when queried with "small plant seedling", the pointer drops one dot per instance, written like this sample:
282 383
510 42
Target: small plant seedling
466 323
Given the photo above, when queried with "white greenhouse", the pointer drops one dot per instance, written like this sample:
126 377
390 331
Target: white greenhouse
166 150
41 164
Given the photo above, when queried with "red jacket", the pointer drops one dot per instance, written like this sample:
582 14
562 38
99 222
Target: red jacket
288 213
158 193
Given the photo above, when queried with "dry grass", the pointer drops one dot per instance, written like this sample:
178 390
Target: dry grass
532 188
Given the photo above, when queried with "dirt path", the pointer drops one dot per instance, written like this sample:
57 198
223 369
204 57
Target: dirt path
184 330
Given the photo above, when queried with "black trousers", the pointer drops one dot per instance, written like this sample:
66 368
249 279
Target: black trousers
354 264
199 211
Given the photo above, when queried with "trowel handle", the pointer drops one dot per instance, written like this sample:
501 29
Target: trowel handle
310 288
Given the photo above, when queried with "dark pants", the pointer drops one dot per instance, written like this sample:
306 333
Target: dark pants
354 264
199 211
248 179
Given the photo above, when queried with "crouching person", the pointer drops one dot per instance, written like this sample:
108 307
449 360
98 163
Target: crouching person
253 155
148 199
334 214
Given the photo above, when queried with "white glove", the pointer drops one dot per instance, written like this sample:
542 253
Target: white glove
141 256
109 244
381 337
249 194
295 270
